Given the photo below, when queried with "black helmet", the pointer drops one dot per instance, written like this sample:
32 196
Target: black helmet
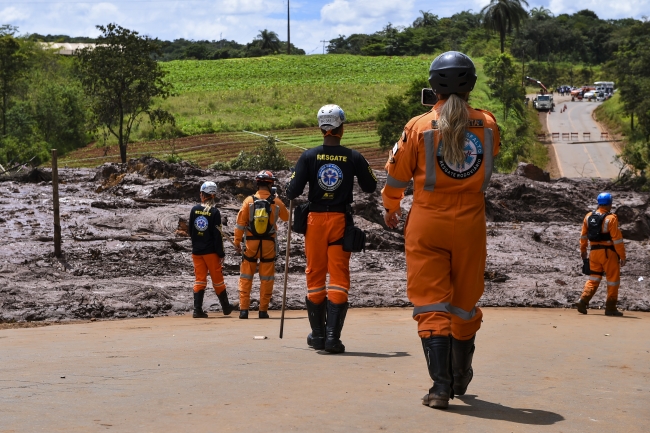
452 72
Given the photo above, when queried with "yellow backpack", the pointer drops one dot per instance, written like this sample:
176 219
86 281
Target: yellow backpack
260 212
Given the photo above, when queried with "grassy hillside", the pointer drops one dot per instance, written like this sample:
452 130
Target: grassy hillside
280 92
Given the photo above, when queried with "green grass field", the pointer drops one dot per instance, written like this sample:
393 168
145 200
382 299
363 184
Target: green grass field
279 92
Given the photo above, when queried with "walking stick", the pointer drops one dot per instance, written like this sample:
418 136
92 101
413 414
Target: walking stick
286 268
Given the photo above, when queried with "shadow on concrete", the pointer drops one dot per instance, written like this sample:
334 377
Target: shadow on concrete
368 354
486 410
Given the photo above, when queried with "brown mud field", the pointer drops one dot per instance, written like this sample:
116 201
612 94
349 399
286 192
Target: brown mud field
125 253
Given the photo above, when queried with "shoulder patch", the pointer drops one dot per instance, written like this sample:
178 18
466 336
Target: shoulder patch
434 124
475 123
403 137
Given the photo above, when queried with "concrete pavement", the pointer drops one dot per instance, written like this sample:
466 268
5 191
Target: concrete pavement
549 370
577 158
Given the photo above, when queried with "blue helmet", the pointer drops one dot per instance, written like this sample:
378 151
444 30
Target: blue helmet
604 199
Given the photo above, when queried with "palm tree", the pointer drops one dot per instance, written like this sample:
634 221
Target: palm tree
503 15
268 40
540 13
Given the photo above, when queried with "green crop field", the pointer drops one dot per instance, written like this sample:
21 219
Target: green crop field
280 92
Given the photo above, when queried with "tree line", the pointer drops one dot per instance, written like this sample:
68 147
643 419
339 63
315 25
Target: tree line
266 43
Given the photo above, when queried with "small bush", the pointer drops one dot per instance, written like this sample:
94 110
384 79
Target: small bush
267 156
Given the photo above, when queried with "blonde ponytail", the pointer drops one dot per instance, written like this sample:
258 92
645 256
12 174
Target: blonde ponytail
452 122
209 203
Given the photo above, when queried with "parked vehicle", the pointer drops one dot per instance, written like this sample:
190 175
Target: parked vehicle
543 103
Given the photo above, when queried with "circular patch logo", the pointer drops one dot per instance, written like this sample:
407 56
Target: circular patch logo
201 223
330 177
473 159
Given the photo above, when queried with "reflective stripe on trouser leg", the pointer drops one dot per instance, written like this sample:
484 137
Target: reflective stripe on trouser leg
336 294
247 270
445 307
267 277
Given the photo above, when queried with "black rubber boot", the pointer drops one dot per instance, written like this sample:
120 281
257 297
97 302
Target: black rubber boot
243 314
462 353
264 315
334 324
437 351
198 305
611 310
582 306
225 303
317 314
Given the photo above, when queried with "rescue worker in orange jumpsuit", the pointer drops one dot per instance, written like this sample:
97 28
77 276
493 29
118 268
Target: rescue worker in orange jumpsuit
207 250
262 208
600 230
330 170
449 153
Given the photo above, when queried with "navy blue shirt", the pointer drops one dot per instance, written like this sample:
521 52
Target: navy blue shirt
330 171
204 231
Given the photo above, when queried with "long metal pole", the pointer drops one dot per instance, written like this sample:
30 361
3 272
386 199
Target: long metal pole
286 268
55 205
288 28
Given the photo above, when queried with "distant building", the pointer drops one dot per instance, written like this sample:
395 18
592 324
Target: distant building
64 48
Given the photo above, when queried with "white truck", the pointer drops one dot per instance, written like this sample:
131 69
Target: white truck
543 103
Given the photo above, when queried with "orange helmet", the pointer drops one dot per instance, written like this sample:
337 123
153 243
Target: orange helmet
265 176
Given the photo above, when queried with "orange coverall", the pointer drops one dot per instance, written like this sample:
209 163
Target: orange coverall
203 264
445 233
604 260
324 228
263 251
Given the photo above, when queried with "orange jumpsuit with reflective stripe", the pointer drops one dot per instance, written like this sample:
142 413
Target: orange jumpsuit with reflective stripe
445 232
323 229
208 263
604 261
262 251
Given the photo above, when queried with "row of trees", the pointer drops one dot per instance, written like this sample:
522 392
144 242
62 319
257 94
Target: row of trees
50 101
630 65
266 43
529 35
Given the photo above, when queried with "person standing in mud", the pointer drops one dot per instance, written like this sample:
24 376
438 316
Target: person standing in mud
600 231
330 170
449 153
257 227
207 250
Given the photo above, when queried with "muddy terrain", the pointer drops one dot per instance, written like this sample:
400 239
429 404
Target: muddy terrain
126 253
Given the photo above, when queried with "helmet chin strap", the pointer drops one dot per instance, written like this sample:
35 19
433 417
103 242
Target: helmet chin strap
333 135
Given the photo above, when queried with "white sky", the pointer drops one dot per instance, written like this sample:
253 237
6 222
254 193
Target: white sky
241 20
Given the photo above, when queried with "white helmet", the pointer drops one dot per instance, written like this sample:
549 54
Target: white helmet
209 188
330 117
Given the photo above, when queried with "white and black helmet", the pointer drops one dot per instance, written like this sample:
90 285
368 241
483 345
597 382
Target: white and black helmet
452 72
209 188
330 117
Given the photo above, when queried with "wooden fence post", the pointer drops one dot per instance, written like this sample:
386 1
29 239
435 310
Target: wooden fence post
55 205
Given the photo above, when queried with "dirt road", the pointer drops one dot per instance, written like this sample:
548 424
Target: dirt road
535 371
580 155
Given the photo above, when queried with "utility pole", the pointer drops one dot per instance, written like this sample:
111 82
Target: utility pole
324 46
288 28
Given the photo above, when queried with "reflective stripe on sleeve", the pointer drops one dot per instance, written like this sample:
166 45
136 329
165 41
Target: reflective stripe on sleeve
267 278
613 283
391 181
445 307
319 289
240 227
246 276
488 156
606 225
584 238
618 241
430 160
